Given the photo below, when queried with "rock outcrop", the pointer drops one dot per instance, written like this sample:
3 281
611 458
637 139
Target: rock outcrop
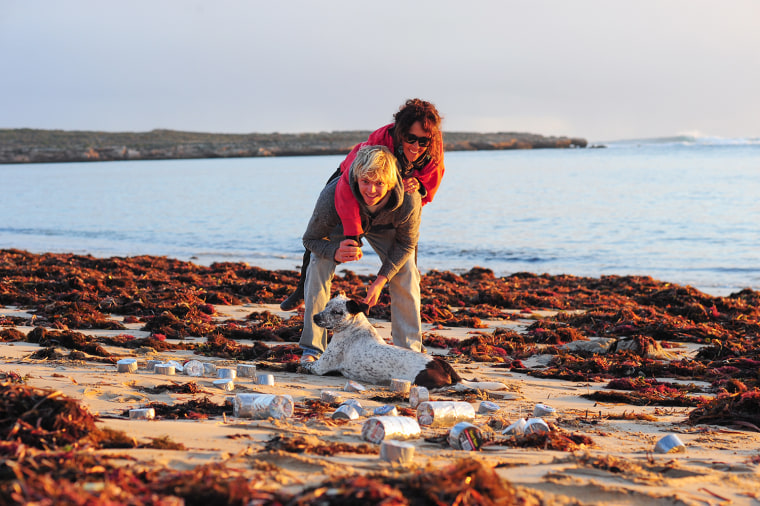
37 146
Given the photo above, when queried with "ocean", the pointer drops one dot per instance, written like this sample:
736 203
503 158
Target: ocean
683 210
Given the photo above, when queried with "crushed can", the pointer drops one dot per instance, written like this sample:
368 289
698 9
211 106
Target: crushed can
353 386
516 429
670 444
536 426
540 410
488 408
385 410
226 384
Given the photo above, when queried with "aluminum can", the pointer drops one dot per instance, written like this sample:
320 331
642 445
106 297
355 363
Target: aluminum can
540 410
385 410
397 452
536 426
177 366
488 408
265 379
262 406
516 429
345 412
401 386
353 386
418 395
194 368
380 428
246 370
226 373
331 397
669 444
465 436
142 414
444 413
226 384
167 369
126 365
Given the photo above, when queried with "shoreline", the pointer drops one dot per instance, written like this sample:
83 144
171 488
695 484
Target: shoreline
549 338
58 146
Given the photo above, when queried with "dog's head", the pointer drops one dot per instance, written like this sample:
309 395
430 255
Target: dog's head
339 312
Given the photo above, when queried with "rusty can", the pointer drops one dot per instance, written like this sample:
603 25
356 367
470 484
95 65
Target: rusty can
386 410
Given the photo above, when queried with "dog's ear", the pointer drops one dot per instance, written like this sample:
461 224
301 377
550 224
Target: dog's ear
354 307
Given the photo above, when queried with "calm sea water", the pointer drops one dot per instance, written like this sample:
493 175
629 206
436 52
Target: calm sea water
681 210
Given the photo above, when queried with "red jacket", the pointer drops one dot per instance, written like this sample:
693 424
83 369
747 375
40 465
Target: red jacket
345 202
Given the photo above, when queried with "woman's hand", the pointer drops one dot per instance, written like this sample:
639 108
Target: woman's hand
411 184
348 251
373 291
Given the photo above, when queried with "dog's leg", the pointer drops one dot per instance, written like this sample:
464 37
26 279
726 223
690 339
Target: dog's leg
329 361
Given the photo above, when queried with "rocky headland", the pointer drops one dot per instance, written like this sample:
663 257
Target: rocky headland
45 146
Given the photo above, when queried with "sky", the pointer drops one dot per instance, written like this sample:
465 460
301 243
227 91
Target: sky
598 69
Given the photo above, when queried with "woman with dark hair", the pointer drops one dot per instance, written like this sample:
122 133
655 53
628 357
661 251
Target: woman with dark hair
416 140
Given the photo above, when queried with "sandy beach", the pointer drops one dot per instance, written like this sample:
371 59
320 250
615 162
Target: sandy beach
598 451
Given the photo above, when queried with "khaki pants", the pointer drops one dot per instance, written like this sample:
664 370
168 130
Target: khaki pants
404 288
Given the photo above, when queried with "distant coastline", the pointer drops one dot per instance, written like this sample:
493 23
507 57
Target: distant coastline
52 146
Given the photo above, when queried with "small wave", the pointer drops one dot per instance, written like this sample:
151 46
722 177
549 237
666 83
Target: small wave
685 140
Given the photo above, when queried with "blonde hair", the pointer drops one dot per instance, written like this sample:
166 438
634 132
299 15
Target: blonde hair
376 163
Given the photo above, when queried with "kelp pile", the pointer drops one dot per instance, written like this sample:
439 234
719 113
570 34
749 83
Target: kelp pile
68 477
45 419
642 320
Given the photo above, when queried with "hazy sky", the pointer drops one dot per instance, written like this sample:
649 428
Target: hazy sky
600 69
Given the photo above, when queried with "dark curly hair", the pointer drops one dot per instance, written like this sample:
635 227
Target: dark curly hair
419 110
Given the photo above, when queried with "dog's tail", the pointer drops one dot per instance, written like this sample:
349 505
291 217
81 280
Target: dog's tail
479 385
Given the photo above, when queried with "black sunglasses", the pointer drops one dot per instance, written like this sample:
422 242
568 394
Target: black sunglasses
422 141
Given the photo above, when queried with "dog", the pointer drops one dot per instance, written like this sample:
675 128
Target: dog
357 351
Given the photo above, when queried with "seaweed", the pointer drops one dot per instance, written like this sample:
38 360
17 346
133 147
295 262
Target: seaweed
311 444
